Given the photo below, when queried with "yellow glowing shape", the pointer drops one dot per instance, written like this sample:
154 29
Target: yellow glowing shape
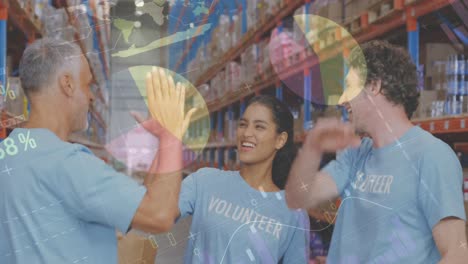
125 27
328 39
198 132
179 36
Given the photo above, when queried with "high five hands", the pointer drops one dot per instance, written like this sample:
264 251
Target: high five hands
166 104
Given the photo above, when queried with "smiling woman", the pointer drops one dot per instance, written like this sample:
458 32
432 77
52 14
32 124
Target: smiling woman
226 224
265 133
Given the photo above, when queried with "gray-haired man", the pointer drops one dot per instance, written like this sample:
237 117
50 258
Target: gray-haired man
61 204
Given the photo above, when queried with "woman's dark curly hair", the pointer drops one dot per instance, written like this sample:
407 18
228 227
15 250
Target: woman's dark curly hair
391 65
284 123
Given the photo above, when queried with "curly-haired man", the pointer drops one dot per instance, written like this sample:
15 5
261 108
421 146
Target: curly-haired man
401 187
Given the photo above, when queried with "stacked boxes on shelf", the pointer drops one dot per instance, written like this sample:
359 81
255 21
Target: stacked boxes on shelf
248 64
446 78
379 9
223 34
218 83
235 30
263 59
285 51
224 82
230 126
233 77
228 35
253 16
354 9
206 92
332 9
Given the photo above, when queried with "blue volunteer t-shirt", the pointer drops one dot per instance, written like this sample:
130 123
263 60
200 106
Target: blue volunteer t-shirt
235 223
61 204
392 197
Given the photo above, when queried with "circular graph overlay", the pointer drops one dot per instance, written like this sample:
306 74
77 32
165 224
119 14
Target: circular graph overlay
319 48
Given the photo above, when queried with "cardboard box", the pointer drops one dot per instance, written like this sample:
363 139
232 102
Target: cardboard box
435 52
425 104
135 249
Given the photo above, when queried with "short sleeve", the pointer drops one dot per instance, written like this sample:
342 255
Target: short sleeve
188 194
440 190
340 169
298 249
97 193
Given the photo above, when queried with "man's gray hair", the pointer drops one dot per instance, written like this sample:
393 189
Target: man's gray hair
43 59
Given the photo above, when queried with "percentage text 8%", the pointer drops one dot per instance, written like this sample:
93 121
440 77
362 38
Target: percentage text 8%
10 147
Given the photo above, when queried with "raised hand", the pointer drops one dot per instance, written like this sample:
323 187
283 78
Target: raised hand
331 135
166 103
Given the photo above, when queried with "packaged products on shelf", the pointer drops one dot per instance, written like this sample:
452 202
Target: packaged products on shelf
456 93
353 9
218 83
248 61
224 33
230 125
206 92
213 49
198 65
427 98
330 9
233 76
449 79
236 33
283 49
263 61
253 13
302 29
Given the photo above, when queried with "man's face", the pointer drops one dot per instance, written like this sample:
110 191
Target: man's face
83 96
356 101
